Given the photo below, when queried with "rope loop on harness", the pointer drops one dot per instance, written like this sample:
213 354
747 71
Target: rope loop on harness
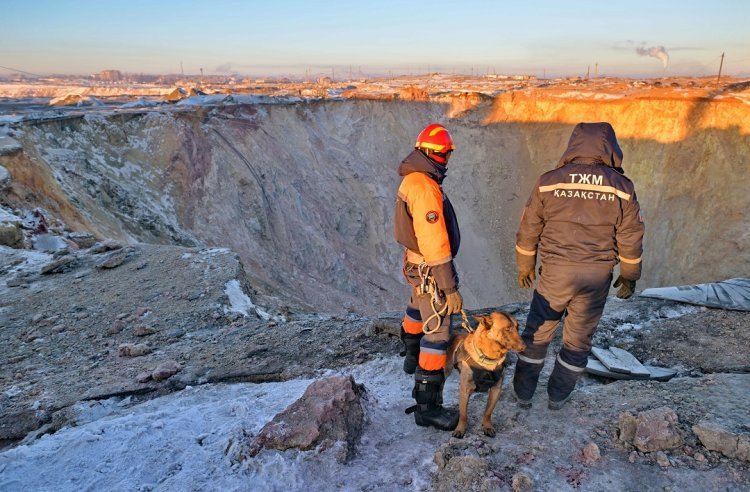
428 286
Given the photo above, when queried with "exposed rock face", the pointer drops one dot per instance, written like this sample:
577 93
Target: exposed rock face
331 410
729 442
652 430
238 182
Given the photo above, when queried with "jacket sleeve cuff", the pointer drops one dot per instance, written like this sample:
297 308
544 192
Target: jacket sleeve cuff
446 277
524 262
630 271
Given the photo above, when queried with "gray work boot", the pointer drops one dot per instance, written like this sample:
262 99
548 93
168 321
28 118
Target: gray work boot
429 411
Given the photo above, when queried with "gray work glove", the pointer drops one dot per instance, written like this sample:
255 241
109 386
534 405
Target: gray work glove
627 287
526 278
454 303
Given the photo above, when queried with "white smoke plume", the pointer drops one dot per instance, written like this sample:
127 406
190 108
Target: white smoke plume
655 51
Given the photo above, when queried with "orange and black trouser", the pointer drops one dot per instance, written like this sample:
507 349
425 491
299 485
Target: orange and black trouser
433 347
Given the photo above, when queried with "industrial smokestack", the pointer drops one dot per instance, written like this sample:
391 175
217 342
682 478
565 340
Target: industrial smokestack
655 51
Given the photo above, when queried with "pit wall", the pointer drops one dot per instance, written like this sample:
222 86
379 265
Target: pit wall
304 192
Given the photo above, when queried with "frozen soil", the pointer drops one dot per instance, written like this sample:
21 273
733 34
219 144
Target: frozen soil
178 442
73 415
712 340
62 332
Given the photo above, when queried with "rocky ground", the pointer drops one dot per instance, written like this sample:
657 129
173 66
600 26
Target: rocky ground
86 323
84 332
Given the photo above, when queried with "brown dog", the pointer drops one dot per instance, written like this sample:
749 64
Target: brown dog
480 359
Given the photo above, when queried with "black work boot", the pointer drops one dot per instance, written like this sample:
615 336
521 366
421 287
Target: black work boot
528 368
569 366
411 351
428 392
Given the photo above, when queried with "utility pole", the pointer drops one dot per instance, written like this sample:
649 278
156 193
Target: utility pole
721 64
596 70
182 70
588 70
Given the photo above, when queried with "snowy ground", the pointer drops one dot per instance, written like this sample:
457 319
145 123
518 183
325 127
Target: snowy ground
177 442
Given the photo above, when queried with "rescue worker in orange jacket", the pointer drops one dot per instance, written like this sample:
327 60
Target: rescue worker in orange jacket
581 219
425 224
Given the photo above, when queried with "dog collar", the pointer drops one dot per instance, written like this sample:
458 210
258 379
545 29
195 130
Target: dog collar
483 360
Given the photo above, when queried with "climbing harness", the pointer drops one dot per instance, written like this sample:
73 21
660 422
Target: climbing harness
428 286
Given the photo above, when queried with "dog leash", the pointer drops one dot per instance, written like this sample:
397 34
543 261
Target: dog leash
428 286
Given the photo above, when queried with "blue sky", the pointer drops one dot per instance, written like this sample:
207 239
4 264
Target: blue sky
287 37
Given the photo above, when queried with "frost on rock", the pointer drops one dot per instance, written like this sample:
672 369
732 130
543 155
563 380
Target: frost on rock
239 302
330 411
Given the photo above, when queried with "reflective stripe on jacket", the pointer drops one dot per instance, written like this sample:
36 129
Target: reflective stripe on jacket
586 210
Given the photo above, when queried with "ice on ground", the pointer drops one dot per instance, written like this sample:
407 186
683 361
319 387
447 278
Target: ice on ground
177 442
7 216
239 302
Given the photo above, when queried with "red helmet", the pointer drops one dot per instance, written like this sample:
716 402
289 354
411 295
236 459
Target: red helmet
435 141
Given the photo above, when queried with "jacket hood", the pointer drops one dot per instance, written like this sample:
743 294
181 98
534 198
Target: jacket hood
417 162
593 143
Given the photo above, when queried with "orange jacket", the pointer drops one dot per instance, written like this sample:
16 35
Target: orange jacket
424 220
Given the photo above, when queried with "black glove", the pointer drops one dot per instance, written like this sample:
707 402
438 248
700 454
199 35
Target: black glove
627 287
454 303
526 278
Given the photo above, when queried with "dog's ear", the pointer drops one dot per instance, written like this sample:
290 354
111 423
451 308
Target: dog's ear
483 322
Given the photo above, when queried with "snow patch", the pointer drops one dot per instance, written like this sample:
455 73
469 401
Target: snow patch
178 441
239 302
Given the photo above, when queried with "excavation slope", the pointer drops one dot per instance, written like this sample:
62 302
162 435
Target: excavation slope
304 191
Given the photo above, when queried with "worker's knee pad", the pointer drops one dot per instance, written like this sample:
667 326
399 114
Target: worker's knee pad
539 312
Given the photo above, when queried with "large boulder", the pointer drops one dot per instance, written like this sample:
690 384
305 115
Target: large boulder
331 410
652 430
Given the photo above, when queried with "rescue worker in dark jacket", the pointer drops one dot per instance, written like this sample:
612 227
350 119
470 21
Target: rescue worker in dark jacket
425 224
581 219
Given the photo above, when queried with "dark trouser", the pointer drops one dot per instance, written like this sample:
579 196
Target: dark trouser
581 290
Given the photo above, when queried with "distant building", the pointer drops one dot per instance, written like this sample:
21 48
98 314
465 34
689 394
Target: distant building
110 76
